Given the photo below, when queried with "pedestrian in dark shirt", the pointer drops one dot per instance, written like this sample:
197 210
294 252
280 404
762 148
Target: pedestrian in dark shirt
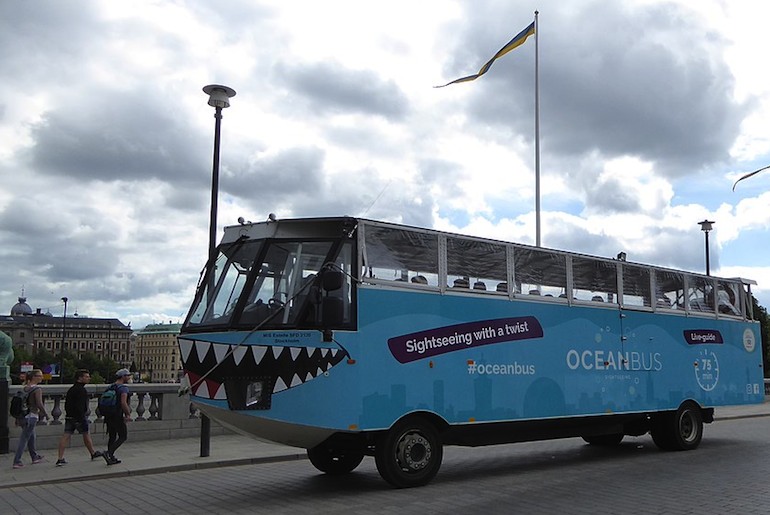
76 416
116 423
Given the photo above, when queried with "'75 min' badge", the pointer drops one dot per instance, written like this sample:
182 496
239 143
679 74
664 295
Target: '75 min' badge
707 370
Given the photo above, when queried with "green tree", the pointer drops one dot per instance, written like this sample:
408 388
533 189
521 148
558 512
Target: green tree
760 314
20 355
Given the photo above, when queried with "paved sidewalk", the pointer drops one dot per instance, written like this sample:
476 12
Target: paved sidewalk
149 457
157 456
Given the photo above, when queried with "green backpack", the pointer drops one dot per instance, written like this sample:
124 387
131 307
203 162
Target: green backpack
109 401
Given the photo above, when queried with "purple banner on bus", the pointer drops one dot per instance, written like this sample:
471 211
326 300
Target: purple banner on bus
440 340
698 336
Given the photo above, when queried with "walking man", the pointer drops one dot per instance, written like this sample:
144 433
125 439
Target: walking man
116 421
76 416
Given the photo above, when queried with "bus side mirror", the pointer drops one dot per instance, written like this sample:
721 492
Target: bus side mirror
332 280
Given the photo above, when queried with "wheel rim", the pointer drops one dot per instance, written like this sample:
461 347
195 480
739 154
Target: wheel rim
413 452
687 427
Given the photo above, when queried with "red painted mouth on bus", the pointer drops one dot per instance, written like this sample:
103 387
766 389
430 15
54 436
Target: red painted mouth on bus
290 366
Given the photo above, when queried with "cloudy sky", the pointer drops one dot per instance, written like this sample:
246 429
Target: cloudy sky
650 110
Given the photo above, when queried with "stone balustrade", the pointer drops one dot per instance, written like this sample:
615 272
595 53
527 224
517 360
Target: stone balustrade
157 412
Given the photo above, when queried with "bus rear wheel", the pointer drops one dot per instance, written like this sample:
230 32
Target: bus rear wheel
334 461
680 430
409 454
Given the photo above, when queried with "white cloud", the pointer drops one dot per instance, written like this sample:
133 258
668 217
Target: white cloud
106 138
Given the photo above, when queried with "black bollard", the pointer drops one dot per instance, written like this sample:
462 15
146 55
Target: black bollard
4 418
205 435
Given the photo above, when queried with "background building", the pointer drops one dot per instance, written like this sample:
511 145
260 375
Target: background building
157 353
31 330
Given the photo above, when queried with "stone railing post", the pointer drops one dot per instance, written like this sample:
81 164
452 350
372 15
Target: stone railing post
154 406
57 410
140 408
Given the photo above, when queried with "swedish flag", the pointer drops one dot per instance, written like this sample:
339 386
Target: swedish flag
517 40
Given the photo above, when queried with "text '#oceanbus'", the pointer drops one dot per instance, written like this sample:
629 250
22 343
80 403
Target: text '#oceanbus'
352 338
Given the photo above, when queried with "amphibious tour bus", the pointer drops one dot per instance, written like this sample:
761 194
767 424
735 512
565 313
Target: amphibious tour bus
351 337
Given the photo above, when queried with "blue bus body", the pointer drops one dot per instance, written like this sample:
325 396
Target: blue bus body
407 365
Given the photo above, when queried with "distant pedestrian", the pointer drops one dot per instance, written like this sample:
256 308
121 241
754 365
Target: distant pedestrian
76 416
116 421
35 411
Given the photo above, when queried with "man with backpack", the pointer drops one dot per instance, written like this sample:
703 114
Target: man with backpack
76 416
32 412
116 412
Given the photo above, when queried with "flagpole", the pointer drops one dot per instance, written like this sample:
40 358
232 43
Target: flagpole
537 137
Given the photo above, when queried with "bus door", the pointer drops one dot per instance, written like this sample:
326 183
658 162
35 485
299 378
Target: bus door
642 336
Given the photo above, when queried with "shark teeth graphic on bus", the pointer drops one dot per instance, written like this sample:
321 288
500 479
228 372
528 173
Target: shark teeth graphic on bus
289 366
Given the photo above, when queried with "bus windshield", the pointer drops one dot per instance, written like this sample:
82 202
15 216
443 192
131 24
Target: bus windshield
270 284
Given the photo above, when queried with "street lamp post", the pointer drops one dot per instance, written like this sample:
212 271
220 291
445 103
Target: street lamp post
219 98
63 333
706 227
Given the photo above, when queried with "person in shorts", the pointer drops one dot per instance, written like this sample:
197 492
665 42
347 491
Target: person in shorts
76 417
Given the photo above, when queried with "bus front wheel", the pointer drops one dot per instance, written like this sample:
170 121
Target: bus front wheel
409 454
680 430
334 461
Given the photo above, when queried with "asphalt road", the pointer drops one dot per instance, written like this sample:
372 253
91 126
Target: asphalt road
729 473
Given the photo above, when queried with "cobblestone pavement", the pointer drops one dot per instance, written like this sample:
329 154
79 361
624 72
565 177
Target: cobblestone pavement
727 474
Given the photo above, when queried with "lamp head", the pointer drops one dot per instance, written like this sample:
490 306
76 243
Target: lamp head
219 96
706 225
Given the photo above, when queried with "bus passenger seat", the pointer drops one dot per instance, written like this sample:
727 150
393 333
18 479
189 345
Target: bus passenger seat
502 287
479 285
419 279
597 298
461 283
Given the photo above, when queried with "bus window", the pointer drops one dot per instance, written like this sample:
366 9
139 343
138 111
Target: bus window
636 286
540 273
594 280
728 298
475 265
392 254
700 294
282 282
221 292
669 289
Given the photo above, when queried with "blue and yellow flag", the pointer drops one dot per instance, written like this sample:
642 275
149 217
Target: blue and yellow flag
519 39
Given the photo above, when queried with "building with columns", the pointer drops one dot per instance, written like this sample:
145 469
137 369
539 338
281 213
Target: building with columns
104 337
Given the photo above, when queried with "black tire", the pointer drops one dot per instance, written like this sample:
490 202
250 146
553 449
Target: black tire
605 440
409 454
680 430
659 430
335 461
